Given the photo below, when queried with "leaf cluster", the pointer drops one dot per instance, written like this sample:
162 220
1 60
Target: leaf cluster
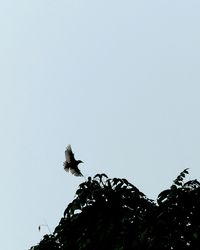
114 214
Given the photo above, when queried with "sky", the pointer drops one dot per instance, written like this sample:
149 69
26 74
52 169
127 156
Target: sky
118 80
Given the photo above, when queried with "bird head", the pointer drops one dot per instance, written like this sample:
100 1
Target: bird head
79 161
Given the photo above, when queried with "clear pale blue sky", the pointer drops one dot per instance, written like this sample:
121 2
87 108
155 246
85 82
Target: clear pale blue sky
119 80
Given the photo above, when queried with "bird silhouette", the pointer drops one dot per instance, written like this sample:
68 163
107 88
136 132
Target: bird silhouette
71 164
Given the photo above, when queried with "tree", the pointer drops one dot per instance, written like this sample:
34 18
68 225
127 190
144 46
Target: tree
114 214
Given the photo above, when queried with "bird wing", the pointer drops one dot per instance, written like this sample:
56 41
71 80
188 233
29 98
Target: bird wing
69 155
76 171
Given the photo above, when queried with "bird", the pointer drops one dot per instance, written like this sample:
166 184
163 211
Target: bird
71 164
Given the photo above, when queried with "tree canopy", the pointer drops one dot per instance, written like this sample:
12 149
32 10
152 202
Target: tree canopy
113 214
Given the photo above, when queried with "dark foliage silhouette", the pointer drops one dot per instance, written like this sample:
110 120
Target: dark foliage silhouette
114 214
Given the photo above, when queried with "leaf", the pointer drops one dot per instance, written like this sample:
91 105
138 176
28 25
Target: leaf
79 191
163 195
125 181
179 180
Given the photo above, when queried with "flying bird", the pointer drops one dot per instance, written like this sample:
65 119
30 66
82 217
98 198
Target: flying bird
71 164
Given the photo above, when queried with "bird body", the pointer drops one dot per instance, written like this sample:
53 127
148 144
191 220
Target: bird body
71 164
